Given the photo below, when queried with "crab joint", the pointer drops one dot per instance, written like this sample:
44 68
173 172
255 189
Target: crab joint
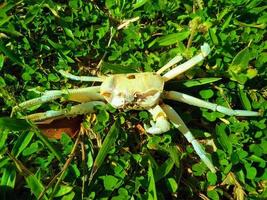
159 124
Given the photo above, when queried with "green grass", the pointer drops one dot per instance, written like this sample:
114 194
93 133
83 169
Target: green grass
111 158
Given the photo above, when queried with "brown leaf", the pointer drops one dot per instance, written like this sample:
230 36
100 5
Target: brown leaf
55 129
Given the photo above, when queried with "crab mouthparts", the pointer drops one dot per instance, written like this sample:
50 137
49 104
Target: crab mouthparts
134 102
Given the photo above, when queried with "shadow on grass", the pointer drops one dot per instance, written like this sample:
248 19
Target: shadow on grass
7 193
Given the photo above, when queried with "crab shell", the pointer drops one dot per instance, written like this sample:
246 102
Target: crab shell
135 91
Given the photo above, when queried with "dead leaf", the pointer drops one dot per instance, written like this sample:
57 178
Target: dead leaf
55 129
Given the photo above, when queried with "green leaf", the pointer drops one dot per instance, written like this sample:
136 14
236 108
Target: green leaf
171 185
164 169
90 160
251 172
244 99
55 45
110 182
258 159
143 115
170 39
224 12
199 169
117 68
35 185
10 54
48 144
239 65
8 178
26 76
213 194
10 30
200 81
212 178
123 194
53 77
261 60
103 116
256 149
22 142
240 62
251 73
3 137
227 22
139 3
69 33
109 3
2 59
206 94
34 147
63 190
109 141
223 138
174 154
2 82
213 36
152 192
14 124
263 145
67 143
53 10
212 116
69 196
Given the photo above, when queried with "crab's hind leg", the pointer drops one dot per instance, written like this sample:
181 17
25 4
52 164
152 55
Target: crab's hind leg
80 109
180 125
78 95
205 50
81 78
181 97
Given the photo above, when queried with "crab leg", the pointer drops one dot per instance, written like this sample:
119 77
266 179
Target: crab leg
79 109
180 125
181 97
78 95
172 62
205 50
160 123
81 78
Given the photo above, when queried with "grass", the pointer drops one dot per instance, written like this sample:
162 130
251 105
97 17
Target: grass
111 157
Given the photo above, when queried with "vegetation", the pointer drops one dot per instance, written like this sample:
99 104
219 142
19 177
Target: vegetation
111 157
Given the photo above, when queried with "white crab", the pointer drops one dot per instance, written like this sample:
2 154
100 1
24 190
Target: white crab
135 91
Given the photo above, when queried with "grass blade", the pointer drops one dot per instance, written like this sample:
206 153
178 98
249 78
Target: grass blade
22 143
14 124
32 181
8 180
107 144
164 169
10 55
152 192
48 144
200 81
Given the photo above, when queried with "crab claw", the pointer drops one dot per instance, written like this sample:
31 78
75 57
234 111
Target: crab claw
159 124
205 49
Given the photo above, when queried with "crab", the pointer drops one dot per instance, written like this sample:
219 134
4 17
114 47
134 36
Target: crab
134 91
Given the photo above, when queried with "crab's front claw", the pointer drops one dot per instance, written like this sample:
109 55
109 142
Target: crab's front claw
159 124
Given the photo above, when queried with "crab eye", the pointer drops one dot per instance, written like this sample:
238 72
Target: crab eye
131 76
